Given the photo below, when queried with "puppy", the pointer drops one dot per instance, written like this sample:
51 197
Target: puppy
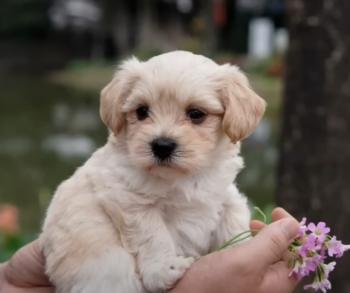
161 192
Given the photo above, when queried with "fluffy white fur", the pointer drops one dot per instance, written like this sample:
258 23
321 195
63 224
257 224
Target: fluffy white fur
124 223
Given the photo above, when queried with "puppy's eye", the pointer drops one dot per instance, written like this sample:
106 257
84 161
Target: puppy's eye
142 112
196 116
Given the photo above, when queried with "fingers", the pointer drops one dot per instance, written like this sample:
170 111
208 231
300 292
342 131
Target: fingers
256 225
277 214
27 267
272 241
280 213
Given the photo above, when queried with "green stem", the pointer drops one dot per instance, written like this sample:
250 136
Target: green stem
259 210
241 239
245 234
237 239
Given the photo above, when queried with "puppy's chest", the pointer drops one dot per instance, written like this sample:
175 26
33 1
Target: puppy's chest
193 226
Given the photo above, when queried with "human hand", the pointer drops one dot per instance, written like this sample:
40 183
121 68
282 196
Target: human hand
253 266
25 272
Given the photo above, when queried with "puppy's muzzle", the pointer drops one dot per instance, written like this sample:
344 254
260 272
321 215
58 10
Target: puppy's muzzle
163 148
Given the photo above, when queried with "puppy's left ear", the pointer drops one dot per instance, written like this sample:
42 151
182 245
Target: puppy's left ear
243 107
113 96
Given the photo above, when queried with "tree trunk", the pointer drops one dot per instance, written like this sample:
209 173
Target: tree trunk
314 171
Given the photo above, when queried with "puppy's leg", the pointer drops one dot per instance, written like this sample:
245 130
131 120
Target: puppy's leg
147 235
83 251
112 272
91 269
235 219
159 265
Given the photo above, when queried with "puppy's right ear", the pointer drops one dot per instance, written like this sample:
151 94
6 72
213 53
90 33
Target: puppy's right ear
113 96
243 107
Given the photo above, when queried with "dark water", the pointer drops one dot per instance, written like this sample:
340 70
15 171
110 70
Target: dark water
48 130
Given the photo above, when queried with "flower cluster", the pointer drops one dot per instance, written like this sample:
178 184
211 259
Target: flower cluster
309 253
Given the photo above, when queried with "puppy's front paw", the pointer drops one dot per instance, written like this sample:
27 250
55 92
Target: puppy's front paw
163 274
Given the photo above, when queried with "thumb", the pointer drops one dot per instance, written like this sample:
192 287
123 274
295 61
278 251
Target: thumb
271 243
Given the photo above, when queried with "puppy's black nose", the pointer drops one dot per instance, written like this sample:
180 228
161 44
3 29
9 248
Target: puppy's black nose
163 147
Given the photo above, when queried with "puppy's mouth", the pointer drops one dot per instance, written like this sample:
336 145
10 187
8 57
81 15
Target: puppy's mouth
166 170
168 164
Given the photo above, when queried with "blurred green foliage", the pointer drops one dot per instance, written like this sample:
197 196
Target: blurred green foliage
9 244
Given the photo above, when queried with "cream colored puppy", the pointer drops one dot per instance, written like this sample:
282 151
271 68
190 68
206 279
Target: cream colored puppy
160 193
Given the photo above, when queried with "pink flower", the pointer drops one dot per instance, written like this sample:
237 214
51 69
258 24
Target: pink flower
309 245
329 268
321 281
299 270
320 231
336 247
323 285
310 251
305 266
303 228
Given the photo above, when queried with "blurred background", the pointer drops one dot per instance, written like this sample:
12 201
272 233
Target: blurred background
56 55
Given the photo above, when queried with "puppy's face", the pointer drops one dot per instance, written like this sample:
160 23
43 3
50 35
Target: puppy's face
175 110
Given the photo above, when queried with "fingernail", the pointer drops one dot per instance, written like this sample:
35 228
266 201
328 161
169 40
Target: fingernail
290 227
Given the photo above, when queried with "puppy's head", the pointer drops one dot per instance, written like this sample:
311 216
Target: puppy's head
176 109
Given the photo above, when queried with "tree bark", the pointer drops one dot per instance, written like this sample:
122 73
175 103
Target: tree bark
314 170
